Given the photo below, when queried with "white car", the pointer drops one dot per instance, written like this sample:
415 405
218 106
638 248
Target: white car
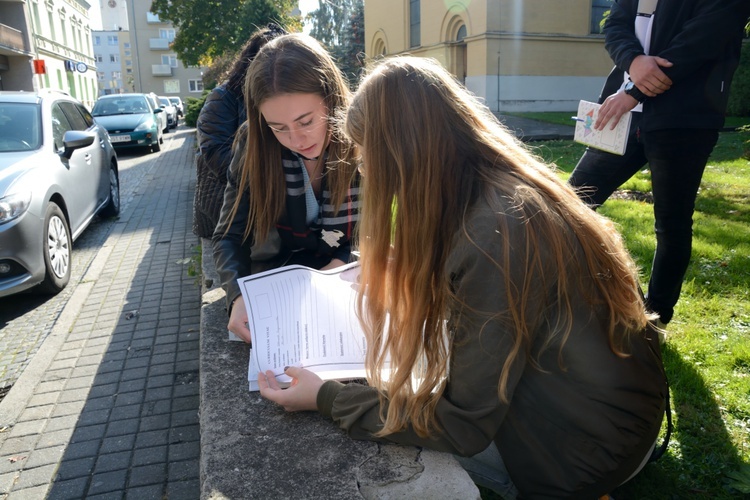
170 110
177 102
153 100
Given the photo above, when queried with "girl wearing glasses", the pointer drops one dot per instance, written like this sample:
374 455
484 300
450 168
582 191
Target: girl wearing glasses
512 314
291 196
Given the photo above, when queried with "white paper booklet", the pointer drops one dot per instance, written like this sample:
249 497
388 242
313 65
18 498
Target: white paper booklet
614 141
300 316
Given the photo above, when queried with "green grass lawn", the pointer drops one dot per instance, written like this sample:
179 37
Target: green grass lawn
707 354
563 118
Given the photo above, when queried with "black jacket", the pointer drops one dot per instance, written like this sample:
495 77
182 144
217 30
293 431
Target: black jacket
702 38
294 241
218 121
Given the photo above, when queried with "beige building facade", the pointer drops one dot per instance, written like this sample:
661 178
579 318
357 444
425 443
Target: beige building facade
517 55
155 65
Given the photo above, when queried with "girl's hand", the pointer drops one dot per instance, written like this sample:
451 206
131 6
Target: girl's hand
301 395
238 320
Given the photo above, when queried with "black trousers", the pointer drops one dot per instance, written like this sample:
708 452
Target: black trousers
677 159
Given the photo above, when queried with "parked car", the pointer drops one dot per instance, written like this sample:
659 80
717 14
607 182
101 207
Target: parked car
58 170
153 99
131 119
177 102
171 111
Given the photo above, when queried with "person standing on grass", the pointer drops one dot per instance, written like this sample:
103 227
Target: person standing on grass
511 312
674 62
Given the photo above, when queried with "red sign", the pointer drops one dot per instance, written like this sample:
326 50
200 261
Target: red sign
39 67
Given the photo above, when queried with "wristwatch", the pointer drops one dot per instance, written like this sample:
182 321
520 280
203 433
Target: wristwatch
634 92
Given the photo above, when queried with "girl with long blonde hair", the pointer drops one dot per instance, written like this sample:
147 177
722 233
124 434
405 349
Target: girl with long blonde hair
510 311
292 191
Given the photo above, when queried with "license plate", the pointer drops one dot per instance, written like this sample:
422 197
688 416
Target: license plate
119 138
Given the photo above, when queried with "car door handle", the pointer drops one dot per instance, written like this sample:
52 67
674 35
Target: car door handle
87 158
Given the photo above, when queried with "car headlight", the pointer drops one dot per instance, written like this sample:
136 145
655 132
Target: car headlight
147 125
14 205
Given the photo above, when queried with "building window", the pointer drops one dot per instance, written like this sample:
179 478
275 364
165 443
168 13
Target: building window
114 58
170 60
167 34
414 23
100 75
195 85
97 40
128 62
127 53
598 8
99 58
116 75
112 40
129 70
51 25
461 33
126 45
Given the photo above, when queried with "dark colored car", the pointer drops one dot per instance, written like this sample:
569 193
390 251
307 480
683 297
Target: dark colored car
131 119
58 170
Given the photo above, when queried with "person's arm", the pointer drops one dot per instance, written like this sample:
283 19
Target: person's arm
216 126
704 36
626 50
470 411
231 250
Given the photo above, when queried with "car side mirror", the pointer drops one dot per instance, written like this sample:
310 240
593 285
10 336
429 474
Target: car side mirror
158 110
76 139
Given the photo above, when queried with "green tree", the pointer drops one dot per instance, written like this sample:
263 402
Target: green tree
340 26
207 29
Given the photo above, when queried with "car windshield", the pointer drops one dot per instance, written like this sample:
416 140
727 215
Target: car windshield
20 127
174 101
125 105
165 101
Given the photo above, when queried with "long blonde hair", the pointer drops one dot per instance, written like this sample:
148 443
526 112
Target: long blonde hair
430 149
289 64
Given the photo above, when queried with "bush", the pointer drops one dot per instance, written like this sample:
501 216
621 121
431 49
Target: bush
739 97
194 106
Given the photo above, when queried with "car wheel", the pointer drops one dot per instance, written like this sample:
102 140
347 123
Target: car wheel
156 147
112 208
56 249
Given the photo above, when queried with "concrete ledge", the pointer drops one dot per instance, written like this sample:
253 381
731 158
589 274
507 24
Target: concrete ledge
251 448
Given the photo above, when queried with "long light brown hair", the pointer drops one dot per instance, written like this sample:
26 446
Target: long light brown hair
289 64
430 149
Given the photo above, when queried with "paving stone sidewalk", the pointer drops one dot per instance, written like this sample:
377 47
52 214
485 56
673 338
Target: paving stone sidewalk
108 407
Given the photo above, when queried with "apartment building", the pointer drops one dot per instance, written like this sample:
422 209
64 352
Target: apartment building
530 55
47 44
155 65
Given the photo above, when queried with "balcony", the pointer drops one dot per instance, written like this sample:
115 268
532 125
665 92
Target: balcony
152 18
158 43
161 70
11 38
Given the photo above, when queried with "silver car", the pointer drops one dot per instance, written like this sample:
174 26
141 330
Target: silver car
57 171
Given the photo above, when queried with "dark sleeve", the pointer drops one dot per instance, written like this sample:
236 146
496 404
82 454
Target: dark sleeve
620 40
216 126
232 252
705 36
469 411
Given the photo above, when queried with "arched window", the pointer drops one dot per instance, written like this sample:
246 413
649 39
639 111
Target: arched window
461 34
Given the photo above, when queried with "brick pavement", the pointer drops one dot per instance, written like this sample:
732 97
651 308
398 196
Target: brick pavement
27 319
108 407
